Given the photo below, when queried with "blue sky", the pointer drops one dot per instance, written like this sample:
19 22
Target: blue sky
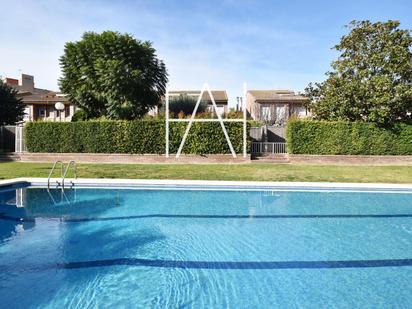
268 44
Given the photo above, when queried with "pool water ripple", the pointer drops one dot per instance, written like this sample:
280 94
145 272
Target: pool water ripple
196 249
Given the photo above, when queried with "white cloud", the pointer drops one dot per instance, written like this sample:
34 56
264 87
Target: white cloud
197 44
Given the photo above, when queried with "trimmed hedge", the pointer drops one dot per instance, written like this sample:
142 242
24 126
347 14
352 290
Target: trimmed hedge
354 138
140 137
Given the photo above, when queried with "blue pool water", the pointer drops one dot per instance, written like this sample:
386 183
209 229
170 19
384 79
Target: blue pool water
119 248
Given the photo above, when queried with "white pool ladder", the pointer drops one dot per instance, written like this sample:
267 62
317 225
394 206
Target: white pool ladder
62 174
71 162
52 170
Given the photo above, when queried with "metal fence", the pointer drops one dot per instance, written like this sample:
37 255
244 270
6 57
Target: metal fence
12 139
267 148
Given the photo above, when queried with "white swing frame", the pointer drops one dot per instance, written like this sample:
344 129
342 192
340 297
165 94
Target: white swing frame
219 119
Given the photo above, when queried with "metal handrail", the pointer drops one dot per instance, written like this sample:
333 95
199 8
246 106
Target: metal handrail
52 170
67 169
62 195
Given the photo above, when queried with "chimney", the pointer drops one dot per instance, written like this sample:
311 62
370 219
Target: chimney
11 81
27 83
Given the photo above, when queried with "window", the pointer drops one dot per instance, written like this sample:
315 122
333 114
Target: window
301 111
280 115
266 113
26 115
67 111
42 112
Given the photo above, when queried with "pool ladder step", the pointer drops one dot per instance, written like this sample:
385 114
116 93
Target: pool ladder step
63 172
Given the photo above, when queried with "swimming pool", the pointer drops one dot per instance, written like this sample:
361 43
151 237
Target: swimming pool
205 247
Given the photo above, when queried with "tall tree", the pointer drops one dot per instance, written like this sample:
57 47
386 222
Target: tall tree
372 78
113 75
11 107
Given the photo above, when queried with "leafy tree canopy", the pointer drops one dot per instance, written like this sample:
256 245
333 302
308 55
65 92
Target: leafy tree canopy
372 78
112 75
11 107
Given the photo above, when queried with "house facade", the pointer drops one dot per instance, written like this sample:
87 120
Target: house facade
40 103
275 107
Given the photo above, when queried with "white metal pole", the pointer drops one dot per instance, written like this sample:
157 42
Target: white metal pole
167 123
244 121
21 138
221 123
182 143
16 139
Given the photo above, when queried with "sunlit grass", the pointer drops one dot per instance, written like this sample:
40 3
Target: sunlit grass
252 172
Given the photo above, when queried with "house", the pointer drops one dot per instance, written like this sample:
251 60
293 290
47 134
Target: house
40 103
275 107
220 97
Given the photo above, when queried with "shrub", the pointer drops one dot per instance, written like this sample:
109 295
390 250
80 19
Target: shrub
185 104
355 138
79 115
234 114
140 136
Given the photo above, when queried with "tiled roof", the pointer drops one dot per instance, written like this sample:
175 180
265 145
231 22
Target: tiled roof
218 95
42 96
277 96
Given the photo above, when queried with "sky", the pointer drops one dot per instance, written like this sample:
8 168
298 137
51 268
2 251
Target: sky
267 44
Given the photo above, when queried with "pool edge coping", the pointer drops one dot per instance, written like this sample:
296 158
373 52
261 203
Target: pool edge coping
102 182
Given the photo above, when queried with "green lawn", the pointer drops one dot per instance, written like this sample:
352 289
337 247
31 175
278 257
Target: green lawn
254 172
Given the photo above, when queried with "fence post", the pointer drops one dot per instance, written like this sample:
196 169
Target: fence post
244 120
22 140
19 139
167 123
16 138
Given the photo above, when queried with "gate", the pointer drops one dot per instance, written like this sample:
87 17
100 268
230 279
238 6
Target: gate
267 148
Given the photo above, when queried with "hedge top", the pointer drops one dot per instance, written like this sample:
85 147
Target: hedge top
140 136
354 138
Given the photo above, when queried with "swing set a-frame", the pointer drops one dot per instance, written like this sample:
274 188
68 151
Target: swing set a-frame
219 119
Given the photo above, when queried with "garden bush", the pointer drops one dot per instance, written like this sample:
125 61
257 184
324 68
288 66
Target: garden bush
79 115
139 137
185 104
354 138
